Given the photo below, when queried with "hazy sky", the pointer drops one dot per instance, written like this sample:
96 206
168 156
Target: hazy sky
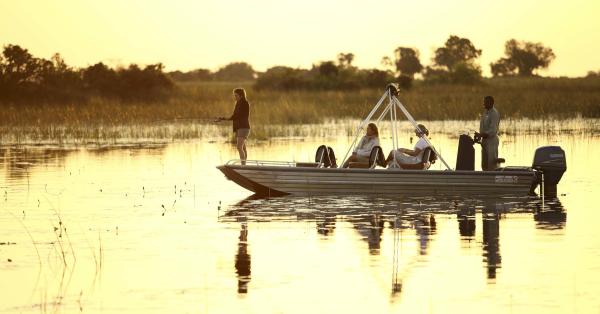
209 34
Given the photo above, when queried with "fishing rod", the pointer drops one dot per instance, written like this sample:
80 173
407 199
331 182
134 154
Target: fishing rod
205 120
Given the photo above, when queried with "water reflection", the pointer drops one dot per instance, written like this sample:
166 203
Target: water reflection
242 260
326 224
466 223
425 227
551 215
370 227
19 161
491 239
369 215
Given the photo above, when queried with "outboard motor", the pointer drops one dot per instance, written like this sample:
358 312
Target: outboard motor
465 159
549 160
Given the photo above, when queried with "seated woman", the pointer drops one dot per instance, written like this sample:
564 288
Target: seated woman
405 156
363 150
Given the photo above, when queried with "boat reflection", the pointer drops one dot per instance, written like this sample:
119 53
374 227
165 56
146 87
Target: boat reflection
326 224
368 217
491 239
425 227
370 227
551 215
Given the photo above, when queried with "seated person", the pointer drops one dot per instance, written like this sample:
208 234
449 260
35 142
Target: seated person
362 151
405 156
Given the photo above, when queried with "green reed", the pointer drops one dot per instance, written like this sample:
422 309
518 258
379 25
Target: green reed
188 112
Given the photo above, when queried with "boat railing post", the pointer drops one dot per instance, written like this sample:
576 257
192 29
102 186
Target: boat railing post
393 122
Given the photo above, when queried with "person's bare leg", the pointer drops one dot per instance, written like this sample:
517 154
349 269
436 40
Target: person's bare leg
241 142
389 158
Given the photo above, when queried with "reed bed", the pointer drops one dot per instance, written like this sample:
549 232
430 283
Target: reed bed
188 112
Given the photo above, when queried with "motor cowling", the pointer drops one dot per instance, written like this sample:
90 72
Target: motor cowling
552 163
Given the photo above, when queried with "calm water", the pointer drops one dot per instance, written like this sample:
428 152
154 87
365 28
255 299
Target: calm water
157 229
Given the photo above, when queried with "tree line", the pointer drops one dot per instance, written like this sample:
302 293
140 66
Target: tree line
24 77
453 63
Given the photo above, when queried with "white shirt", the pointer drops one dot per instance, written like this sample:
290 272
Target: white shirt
366 144
421 144
407 159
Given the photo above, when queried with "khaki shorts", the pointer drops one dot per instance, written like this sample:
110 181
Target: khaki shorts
242 133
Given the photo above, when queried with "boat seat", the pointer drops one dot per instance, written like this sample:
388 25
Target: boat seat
376 158
427 160
325 157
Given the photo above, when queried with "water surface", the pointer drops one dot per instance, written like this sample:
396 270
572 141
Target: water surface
157 228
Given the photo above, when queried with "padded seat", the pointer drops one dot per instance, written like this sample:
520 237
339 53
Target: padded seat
375 159
427 160
325 157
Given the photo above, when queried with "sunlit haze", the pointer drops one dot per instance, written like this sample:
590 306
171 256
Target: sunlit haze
186 35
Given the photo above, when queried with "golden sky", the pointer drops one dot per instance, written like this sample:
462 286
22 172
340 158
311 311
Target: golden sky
211 33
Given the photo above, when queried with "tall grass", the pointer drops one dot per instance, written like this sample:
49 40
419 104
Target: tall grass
180 117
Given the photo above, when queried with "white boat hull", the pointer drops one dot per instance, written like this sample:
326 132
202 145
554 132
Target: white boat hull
282 180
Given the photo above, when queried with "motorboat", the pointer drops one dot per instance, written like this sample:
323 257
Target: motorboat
321 177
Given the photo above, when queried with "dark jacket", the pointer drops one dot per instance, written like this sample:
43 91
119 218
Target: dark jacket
240 115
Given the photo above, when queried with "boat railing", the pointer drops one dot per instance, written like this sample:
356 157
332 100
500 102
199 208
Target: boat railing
274 163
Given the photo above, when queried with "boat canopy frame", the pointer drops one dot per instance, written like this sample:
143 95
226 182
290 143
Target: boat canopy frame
391 109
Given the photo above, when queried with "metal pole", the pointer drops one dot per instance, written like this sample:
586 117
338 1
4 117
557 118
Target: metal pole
414 123
382 115
543 192
393 122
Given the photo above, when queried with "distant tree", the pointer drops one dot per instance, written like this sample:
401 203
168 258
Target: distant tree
593 74
462 73
376 78
502 67
235 71
465 73
407 61
327 68
455 63
522 57
194 75
19 66
456 50
137 83
99 78
387 63
345 59
283 78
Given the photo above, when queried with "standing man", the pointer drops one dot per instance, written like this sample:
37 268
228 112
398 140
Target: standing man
488 131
